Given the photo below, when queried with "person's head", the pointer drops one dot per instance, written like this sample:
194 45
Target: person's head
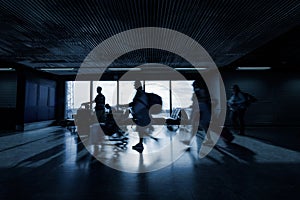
108 107
197 84
137 84
235 89
99 89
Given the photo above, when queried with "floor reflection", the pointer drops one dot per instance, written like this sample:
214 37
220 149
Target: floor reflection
161 148
54 164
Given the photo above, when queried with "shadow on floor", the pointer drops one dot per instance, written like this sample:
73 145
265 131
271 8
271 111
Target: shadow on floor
286 137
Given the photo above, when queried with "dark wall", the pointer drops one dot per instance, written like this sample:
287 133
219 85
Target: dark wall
28 96
40 99
278 94
8 96
60 99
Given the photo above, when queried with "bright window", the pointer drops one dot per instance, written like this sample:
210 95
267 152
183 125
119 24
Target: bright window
81 93
126 91
162 89
182 92
78 92
109 90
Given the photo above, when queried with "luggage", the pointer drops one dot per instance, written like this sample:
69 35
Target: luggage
143 106
175 117
155 103
140 109
178 116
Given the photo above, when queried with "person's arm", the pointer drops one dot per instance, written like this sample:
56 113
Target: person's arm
96 99
231 100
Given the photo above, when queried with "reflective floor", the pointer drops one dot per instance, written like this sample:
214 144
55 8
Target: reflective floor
52 163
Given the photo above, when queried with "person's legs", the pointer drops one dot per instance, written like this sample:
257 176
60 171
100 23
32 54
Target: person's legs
100 116
142 120
204 120
139 146
233 119
241 117
205 116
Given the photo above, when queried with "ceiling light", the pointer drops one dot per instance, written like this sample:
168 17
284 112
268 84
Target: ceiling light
253 68
7 69
124 69
57 69
191 69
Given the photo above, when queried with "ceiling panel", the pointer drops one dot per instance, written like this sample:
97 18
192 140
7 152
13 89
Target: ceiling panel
60 33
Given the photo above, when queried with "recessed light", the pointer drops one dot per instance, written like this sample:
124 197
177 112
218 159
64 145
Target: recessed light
7 69
57 69
124 69
190 69
253 68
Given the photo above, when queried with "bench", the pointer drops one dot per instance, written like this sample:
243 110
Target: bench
178 117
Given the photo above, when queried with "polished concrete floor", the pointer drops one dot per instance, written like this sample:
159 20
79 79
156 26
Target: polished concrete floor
52 163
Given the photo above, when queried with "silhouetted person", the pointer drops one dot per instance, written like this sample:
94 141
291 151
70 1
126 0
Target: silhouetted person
100 103
201 99
237 106
140 113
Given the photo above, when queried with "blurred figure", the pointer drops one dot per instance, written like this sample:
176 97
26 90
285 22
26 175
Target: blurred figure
140 113
237 106
202 106
100 105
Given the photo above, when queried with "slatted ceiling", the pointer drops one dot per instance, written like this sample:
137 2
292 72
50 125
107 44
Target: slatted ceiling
226 29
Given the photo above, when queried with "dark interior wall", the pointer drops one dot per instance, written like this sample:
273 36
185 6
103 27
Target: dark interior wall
60 99
40 98
8 96
278 94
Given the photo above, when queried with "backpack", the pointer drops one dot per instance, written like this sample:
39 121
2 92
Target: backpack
249 98
155 101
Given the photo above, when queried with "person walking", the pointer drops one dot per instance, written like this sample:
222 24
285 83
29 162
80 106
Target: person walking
140 112
237 104
201 109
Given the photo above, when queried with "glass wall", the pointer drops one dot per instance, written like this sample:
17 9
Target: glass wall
174 93
109 90
182 92
162 89
81 93
126 92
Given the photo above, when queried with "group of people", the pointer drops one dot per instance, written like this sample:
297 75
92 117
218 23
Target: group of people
138 107
201 99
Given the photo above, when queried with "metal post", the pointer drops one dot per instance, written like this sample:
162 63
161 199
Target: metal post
91 94
118 95
170 93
